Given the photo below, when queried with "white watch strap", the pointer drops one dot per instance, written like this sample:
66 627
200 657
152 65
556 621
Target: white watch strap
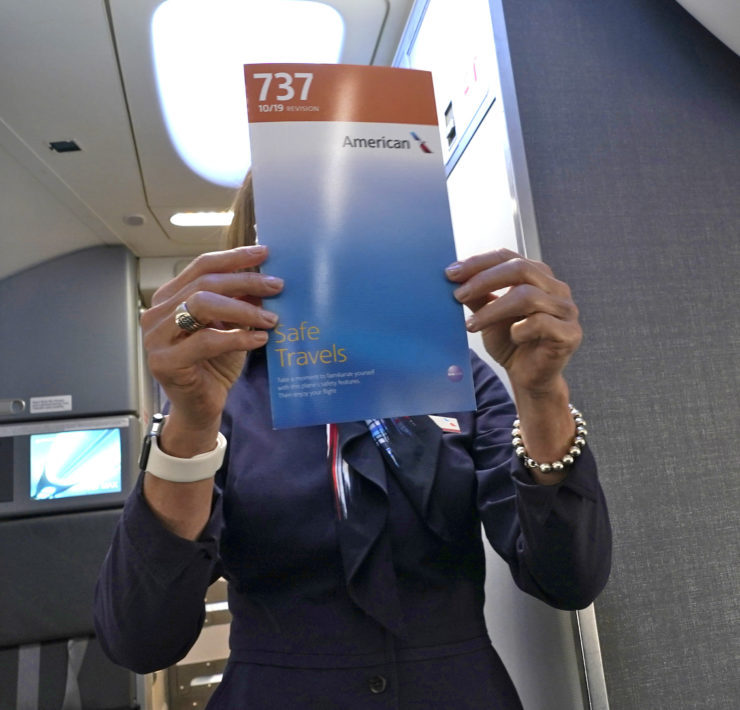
197 468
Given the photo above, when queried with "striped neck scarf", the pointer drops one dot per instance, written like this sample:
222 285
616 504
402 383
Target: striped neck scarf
340 472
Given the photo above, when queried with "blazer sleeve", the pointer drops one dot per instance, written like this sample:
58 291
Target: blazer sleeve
149 598
556 539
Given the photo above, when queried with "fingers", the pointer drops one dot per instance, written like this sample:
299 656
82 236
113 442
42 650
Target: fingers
211 264
166 359
216 292
562 336
221 311
521 302
217 312
484 274
220 295
214 299
501 288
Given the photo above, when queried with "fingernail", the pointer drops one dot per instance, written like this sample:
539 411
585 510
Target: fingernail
269 317
453 268
260 336
273 282
461 293
470 324
256 249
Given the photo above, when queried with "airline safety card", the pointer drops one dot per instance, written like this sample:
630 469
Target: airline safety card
350 198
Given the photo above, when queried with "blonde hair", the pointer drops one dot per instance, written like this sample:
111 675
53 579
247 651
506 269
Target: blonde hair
242 231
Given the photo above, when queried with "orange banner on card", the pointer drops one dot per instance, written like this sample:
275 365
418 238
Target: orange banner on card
339 92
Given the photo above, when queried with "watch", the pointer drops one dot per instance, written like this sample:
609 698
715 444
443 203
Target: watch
178 470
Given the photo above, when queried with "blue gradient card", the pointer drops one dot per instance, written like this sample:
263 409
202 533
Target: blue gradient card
351 199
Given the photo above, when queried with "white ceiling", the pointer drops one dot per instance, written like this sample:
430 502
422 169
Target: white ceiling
83 71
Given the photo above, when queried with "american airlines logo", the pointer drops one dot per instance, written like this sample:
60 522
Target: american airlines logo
424 147
386 143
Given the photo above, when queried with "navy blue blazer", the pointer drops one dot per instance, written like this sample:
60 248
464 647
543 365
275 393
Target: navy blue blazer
381 611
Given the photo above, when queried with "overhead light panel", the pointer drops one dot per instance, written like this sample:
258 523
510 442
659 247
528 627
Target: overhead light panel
202 219
200 49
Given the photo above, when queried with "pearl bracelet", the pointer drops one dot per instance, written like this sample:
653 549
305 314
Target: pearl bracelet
556 466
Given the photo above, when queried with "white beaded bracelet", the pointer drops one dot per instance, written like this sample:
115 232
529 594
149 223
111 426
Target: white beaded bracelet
556 466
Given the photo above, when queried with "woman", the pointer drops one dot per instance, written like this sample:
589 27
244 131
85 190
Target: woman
380 606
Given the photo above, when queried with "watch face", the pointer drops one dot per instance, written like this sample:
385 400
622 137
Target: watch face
145 448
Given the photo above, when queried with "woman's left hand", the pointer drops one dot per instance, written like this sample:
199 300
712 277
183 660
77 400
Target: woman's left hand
527 317
529 325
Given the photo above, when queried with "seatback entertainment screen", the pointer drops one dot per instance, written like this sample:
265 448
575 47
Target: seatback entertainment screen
75 463
59 466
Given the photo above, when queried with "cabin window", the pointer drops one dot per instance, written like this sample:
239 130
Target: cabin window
199 50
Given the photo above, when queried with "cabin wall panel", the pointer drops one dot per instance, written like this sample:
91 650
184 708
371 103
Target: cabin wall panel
630 112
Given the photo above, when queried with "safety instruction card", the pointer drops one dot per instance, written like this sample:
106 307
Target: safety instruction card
350 198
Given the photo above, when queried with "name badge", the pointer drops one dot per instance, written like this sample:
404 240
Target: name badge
446 423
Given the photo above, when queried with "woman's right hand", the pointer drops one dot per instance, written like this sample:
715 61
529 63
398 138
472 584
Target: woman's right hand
197 370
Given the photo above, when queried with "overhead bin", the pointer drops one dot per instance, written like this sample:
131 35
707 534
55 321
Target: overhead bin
70 342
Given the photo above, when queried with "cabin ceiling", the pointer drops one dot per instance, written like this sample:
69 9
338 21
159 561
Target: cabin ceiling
83 72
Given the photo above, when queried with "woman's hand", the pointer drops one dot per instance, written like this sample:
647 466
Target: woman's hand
198 369
527 317
529 324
